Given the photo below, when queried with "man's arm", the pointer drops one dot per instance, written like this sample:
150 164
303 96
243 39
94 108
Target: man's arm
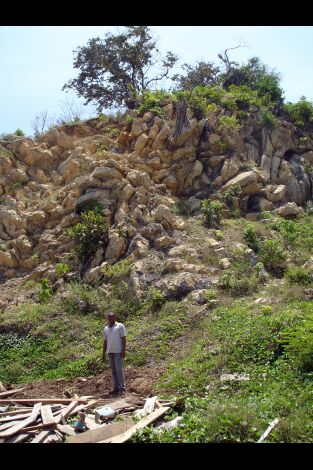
104 349
123 338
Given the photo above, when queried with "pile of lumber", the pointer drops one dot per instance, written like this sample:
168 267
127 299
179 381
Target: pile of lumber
44 420
40 420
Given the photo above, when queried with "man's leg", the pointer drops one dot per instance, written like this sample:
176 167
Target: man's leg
119 371
114 371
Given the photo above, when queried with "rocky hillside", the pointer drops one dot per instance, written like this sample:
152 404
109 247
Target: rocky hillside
137 173
206 297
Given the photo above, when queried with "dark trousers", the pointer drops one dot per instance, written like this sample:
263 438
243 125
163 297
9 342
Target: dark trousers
116 364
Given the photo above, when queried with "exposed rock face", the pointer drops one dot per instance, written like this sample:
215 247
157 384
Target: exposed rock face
45 185
176 286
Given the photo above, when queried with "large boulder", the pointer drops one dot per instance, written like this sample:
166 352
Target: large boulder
289 210
163 213
7 260
275 194
242 180
176 286
12 222
116 248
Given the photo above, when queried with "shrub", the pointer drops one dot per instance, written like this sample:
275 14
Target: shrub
61 269
118 270
251 238
90 234
273 256
45 290
150 101
156 297
229 122
268 119
308 168
298 343
211 294
301 113
238 285
212 211
299 275
129 120
19 132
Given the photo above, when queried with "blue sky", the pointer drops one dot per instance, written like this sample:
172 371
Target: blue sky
36 61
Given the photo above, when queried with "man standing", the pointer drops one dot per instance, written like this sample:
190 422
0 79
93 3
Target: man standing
114 344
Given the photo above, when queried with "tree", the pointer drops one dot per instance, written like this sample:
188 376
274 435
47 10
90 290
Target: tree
40 123
113 71
203 74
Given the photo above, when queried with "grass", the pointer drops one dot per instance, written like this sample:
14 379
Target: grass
240 339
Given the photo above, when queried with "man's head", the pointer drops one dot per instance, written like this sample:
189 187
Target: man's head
111 318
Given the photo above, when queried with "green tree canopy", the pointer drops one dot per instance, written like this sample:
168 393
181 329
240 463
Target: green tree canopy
115 69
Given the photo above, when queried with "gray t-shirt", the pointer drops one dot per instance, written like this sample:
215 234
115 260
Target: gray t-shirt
113 336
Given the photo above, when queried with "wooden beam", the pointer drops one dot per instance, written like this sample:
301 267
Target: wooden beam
44 401
66 429
142 424
8 425
268 430
14 417
46 415
61 417
88 405
41 437
16 412
23 424
104 432
8 393
17 438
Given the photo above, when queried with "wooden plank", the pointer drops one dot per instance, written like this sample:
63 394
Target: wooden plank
17 438
8 425
66 429
43 401
14 417
46 415
158 404
8 393
90 404
23 424
36 427
268 430
91 423
41 437
16 412
65 413
104 432
149 405
142 424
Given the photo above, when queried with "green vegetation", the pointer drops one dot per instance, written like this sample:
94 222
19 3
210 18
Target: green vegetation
90 234
250 237
273 256
45 291
299 275
150 101
61 269
212 211
258 347
19 132
229 122
301 112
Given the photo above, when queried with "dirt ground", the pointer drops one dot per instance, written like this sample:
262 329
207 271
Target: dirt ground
139 385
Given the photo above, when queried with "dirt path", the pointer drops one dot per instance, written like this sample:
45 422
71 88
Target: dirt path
139 385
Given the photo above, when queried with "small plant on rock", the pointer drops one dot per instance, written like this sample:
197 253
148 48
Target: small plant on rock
212 211
273 256
45 291
61 269
251 238
91 233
